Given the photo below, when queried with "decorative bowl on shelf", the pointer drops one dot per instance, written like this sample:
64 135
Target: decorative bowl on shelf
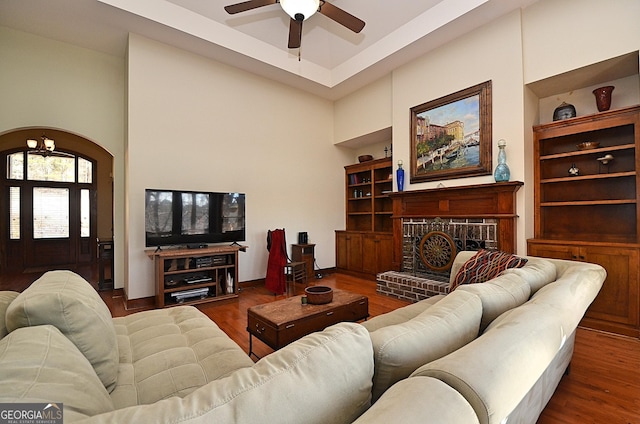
364 158
588 145
319 295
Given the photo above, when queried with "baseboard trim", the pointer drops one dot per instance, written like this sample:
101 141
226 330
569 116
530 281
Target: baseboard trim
140 303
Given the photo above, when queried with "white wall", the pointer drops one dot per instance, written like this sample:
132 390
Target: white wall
196 124
364 111
492 52
45 83
559 36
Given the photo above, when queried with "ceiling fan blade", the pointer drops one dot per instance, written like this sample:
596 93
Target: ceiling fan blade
247 5
340 16
295 34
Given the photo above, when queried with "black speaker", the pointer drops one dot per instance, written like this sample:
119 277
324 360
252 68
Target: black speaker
303 238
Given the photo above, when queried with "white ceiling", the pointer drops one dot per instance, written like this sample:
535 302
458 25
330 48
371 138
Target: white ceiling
332 61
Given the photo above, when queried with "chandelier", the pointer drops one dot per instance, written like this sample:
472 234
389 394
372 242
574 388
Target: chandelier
45 146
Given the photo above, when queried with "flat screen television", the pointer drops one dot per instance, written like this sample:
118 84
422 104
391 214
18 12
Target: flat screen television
176 217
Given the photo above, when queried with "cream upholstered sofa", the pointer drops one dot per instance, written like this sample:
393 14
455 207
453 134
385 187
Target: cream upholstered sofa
487 353
525 319
61 345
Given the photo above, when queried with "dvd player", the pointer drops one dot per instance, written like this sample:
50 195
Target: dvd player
197 279
181 296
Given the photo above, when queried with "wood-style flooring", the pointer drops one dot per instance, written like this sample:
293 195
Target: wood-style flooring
603 386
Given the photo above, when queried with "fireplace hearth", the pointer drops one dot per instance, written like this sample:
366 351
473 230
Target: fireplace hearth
431 226
422 275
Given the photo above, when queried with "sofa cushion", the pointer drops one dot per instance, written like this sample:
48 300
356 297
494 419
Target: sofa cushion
322 378
6 297
498 295
538 272
446 326
412 400
40 365
171 352
400 315
580 282
485 265
67 301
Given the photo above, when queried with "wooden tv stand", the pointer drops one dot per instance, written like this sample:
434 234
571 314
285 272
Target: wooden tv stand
211 271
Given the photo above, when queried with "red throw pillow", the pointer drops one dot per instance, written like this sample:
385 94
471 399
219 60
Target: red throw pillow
485 265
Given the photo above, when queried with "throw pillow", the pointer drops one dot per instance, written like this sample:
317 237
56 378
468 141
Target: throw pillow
67 301
39 364
485 265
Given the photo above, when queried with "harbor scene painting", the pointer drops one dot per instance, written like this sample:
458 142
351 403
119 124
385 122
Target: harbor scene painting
449 136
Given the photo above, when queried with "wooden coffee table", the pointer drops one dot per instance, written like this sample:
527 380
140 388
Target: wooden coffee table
281 322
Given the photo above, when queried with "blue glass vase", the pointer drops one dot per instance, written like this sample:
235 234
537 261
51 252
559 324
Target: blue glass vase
400 176
502 172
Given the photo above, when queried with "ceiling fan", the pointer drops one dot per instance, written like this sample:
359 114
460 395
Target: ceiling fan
299 11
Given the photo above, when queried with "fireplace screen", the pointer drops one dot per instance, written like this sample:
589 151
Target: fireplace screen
430 245
437 250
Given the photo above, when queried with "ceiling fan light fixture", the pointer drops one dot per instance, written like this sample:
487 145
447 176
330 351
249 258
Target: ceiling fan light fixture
300 8
32 144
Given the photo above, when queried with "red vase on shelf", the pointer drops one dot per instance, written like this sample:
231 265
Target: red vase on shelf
603 97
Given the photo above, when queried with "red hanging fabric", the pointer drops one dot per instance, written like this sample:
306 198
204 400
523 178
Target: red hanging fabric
275 279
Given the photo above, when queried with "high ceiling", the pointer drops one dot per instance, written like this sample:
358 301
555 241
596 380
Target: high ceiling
332 61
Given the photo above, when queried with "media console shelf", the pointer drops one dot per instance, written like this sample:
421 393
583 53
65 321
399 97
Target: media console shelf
191 276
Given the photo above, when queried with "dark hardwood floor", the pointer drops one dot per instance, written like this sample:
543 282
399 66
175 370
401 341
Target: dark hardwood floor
603 386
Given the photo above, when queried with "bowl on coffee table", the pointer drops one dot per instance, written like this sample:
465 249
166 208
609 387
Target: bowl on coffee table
319 295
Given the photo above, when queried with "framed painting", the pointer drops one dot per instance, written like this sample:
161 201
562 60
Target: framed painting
451 136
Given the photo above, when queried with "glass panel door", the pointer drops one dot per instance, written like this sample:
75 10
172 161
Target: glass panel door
50 212
85 213
14 213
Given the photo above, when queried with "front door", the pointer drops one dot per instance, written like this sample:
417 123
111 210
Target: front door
51 211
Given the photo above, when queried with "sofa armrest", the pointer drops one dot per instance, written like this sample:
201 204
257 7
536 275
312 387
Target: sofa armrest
40 365
68 302
497 370
570 295
6 297
401 315
420 400
400 349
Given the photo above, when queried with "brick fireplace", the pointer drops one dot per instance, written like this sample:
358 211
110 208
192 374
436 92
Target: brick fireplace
463 218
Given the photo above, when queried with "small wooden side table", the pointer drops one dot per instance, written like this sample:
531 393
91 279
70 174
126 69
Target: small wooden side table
304 253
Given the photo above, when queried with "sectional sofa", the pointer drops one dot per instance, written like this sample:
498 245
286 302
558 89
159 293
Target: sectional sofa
485 353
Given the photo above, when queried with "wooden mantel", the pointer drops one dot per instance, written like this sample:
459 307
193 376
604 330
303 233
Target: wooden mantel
484 201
